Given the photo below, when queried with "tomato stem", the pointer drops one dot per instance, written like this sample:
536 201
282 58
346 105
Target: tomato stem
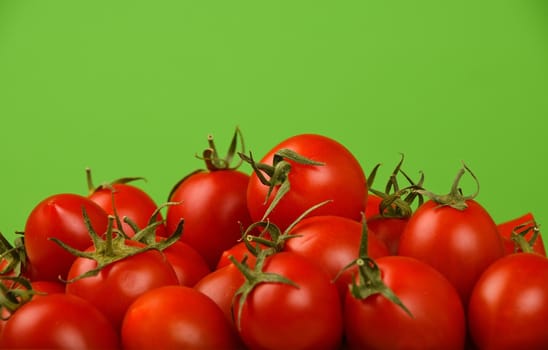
454 198
253 277
211 156
397 202
278 173
519 233
369 275
115 247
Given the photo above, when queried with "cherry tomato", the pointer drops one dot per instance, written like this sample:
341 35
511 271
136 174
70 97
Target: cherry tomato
213 204
58 321
437 319
118 284
508 306
306 315
176 317
60 216
454 234
339 178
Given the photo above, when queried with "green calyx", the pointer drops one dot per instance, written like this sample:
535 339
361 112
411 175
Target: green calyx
15 291
276 175
276 238
369 275
214 161
253 278
107 185
270 246
397 202
520 241
114 246
455 198
14 255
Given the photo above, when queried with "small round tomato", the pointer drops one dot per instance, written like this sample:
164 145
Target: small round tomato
331 172
456 235
58 321
119 283
303 315
213 203
176 317
60 216
437 319
508 306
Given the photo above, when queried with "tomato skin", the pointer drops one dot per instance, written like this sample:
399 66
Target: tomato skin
341 179
438 315
508 306
506 228
60 216
332 242
221 285
58 321
129 201
458 243
388 230
372 205
176 317
117 285
47 287
213 205
188 264
281 316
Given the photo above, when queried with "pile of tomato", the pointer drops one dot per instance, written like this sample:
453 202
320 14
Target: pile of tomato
304 251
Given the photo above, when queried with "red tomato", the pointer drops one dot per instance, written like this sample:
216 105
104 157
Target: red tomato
332 242
283 316
458 243
221 285
213 205
509 304
176 317
188 264
438 320
340 179
118 284
60 216
58 321
506 229
125 200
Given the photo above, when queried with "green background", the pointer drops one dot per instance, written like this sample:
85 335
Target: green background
133 88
